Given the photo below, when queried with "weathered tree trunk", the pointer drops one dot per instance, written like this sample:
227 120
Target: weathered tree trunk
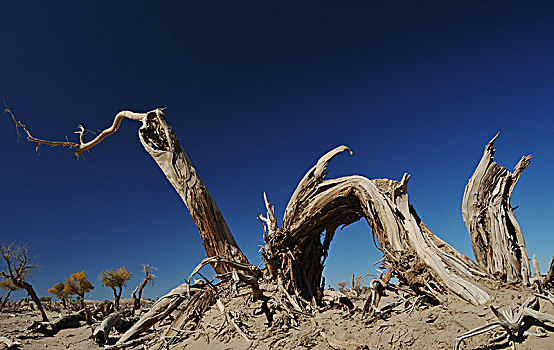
549 279
159 140
5 300
137 292
496 237
116 297
136 298
296 253
101 332
34 297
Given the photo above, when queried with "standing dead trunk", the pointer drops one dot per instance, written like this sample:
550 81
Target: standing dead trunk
549 279
5 300
159 140
296 252
496 237
137 292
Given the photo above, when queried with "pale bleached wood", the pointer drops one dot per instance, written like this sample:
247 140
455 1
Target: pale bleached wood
496 237
159 140
160 310
418 257
102 332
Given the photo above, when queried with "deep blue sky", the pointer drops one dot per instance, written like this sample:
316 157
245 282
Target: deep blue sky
256 92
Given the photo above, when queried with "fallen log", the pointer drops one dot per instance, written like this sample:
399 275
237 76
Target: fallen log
189 318
51 328
102 332
161 309
496 238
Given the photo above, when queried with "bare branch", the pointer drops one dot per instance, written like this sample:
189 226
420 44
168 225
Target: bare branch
82 146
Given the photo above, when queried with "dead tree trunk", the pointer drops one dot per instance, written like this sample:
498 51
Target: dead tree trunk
35 298
137 292
5 300
295 253
496 237
116 296
549 279
159 140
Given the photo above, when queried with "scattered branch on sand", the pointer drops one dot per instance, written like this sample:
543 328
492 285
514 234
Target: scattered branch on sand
8 344
512 321
377 286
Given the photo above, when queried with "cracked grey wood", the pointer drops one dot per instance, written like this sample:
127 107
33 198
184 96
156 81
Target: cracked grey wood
496 237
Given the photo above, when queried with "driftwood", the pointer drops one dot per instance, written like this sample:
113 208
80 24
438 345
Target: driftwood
496 237
420 259
102 331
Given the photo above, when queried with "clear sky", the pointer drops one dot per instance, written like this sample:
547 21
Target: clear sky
256 91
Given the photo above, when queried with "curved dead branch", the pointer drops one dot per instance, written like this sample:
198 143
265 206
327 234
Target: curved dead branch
419 258
496 237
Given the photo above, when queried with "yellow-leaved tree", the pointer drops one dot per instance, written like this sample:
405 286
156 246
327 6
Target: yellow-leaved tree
115 279
59 291
78 284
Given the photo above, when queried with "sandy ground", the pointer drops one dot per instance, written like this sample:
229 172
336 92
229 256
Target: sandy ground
423 328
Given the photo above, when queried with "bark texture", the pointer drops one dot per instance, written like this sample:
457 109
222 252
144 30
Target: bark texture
295 253
159 140
496 237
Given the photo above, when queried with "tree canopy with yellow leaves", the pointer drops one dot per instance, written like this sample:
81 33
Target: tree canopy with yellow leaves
115 279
